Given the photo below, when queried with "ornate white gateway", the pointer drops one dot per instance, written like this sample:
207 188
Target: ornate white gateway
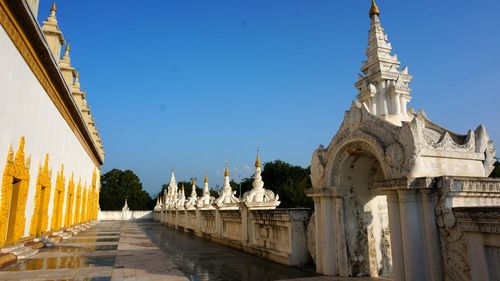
380 208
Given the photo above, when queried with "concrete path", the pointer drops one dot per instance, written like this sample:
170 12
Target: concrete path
108 251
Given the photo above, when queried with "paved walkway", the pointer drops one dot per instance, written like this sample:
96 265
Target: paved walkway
147 251
108 251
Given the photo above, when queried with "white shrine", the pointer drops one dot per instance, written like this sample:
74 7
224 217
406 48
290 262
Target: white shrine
387 187
259 198
193 198
226 199
205 201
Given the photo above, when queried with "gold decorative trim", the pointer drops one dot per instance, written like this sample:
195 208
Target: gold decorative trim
39 219
57 209
27 51
83 215
70 199
15 184
78 198
90 208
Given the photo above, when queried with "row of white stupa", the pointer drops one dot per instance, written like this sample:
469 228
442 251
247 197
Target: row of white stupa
258 198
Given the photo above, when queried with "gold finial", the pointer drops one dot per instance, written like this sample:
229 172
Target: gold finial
77 74
374 9
206 178
67 48
257 161
182 186
226 172
193 181
54 8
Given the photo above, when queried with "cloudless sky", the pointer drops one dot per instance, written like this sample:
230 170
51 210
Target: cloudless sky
195 83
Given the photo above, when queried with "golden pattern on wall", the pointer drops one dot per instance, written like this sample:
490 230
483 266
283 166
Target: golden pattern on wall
68 219
78 198
15 183
90 207
84 204
39 219
95 196
57 207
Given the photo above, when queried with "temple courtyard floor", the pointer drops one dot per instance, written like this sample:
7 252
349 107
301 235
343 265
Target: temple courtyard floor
145 251
148 251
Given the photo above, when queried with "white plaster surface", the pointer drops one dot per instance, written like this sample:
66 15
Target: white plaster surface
26 110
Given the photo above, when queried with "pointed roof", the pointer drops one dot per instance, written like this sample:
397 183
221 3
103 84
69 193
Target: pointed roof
226 172
374 9
257 160
381 75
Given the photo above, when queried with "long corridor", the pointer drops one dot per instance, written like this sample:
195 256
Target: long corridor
144 251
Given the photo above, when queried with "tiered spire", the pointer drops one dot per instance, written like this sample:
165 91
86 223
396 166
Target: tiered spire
53 33
226 199
55 40
258 198
383 88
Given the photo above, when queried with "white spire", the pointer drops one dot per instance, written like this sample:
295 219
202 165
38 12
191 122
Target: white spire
259 198
383 88
226 199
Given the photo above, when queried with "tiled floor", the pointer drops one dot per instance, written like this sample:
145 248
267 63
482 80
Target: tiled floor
145 251
108 251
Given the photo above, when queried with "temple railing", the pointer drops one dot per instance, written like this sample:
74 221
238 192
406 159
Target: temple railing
278 235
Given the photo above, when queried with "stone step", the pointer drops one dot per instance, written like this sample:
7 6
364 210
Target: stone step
27 254
19 251
66 235
7 259
8 249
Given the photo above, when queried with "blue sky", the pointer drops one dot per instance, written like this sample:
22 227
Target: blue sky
195 83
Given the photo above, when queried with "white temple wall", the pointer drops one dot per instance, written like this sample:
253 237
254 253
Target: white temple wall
26 110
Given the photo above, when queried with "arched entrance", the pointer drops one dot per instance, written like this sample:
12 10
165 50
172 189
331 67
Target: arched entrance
366 222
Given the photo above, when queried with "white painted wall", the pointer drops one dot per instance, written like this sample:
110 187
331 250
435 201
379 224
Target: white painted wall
124 215
26 110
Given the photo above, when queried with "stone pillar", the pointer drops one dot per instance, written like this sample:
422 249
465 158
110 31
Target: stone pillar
197 230
397 104
318 237
329 253
176 221
244 223
431 235
415 263
218 222
398 272
343 264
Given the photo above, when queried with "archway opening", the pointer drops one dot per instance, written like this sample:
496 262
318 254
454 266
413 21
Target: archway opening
366 216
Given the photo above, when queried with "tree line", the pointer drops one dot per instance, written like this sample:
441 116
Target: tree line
287 180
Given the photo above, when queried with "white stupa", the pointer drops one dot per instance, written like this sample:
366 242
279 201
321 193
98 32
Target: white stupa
193 199
205 201
259 198
227 200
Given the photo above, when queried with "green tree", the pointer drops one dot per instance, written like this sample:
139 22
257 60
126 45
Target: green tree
116 185
289 182
496 171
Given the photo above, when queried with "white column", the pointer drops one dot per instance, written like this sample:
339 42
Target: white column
398 272
431 236
329 243
415 263
403 105
397 104
373 105
318 237
343 264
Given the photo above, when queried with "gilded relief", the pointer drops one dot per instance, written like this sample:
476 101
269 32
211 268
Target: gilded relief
15 184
